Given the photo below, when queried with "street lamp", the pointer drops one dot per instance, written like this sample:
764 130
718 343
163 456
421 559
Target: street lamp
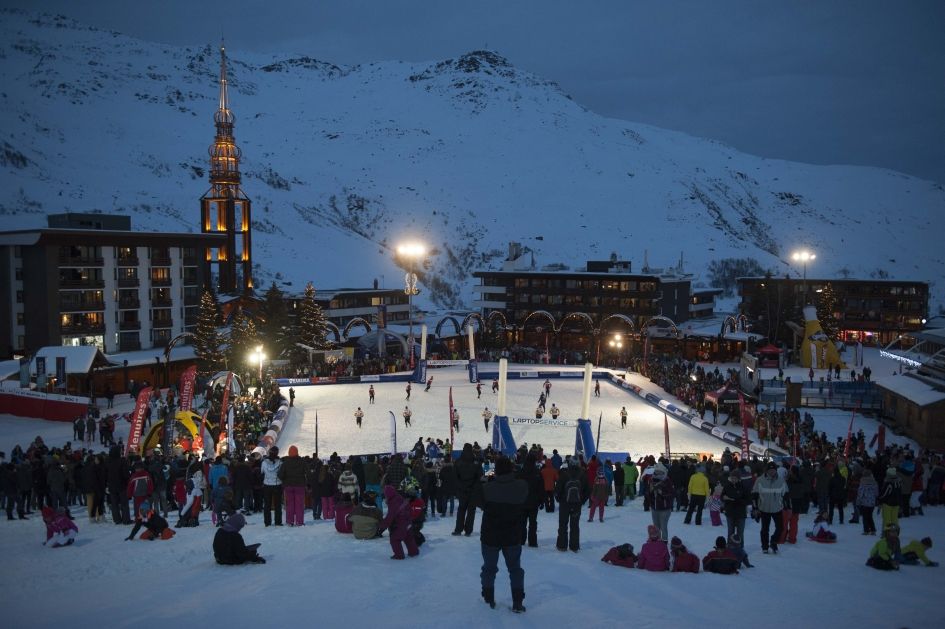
803 257
411 252
257 356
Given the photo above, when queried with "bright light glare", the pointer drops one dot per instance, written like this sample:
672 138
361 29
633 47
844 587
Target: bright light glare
414 250
803 256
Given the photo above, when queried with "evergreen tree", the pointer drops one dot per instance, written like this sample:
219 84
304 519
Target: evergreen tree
244 338
827 311
312 330
207 339
275 330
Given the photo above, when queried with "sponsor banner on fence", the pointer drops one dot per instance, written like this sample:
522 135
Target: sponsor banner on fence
446 363
731 437
757 448
571 374
549 374
533 421
697 422
527 374
718 431
347 379
372 378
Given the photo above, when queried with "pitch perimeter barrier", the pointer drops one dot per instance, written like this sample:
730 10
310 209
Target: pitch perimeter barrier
677 413
39 405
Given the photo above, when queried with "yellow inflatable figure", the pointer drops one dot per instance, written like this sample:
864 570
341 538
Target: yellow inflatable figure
817 350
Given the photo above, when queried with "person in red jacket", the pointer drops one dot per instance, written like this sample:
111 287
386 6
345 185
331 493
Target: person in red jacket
549 476
140 486
683 560
720 560
621 556
654 556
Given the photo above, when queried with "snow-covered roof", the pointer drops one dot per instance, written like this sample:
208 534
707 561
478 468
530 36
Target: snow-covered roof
912 389
9 368
147 356
79 359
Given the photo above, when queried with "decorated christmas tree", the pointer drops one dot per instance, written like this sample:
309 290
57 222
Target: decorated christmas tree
827 311
207 339
312 330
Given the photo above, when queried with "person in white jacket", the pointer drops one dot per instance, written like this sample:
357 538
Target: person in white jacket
768 495
272 487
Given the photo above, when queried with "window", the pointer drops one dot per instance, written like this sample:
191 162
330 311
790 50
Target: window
161 274
19 297
20 318
19 273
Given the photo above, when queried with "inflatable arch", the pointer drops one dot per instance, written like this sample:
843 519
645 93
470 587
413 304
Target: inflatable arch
356 321
334 330
672 325
540 313
439 326
729 324
619 317
480 325
496 314
189 422
581 316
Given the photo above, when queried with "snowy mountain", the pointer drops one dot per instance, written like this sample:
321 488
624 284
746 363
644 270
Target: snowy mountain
466 154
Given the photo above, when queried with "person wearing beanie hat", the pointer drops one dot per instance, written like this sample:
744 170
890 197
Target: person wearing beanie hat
661 492
735 545
720 559
504 507
735 498
883 555
914 552
768 498
682 559
294 475
229 549
890 495
654 555
156 526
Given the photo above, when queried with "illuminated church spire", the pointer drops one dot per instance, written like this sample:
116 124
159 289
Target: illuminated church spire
224 208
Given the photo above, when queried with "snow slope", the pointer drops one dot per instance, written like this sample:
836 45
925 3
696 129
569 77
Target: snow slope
465 154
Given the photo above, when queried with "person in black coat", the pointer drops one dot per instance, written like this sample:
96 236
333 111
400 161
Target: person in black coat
229 549
735 499
242 486
503 501
536 491
468 475
118 475
447 490
572 491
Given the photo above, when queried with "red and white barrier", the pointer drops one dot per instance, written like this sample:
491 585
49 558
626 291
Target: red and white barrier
39 405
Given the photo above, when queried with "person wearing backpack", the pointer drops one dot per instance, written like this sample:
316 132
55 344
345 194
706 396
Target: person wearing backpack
571 492
140 487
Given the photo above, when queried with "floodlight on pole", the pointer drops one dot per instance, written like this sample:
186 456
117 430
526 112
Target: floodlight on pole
804 257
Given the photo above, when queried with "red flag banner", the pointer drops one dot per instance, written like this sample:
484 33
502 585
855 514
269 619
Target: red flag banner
187 381
137 422
226 400
741 414
881 438
846 448
198 441
451 416
666 434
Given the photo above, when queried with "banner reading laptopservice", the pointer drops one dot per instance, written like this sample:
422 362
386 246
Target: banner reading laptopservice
187 382
137 421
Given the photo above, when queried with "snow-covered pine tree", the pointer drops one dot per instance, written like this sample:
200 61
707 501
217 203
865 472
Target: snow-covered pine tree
207 339
826 311
312 330
274 330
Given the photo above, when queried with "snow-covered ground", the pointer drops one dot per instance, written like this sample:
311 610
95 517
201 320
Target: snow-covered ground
316 574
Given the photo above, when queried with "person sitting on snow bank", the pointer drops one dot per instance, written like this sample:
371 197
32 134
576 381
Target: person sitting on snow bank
682 559
229 549
156 526
720 559
820 530
366 517
60 529
654 556
885 550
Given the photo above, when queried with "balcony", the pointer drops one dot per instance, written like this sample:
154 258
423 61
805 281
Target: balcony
190 260
127 261
166 302
162 323
129 325
130 303
82 283
191 300
81 261
161 260
129 345
190 320
160 281
128 282
83 328
68 305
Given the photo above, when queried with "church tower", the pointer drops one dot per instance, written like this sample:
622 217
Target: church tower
224 209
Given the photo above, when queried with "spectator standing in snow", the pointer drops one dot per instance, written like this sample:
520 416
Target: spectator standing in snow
503 502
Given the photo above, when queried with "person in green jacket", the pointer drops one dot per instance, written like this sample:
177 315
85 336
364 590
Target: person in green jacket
885 550
914 552
630 475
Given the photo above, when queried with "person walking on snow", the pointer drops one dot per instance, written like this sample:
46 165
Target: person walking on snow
429 383
555 411
478 389
358 416
495 385
623 416
370 393
597 388
407 415
503 508
486 416
456 419
408 391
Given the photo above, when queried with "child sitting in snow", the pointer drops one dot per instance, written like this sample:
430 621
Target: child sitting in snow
883 555
720 559
683 560
622 555
914 552
820 530
715 506
60 529
156 526
654 556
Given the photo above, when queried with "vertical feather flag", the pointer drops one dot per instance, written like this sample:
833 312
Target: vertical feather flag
451 415
846 448
741 414
393 433
316 431
666 434
599 420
